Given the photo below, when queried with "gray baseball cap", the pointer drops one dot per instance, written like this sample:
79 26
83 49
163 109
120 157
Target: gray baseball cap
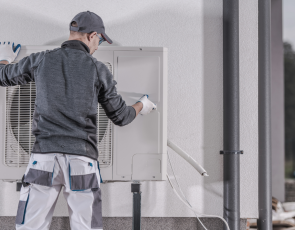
89 22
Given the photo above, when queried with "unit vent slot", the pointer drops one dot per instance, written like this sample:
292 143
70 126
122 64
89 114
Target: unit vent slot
105 134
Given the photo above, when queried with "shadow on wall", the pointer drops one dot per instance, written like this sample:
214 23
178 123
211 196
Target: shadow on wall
213 106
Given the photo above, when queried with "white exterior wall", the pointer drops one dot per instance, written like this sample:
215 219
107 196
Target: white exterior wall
192 32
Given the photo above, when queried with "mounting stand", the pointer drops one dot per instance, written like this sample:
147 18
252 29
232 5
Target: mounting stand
136 219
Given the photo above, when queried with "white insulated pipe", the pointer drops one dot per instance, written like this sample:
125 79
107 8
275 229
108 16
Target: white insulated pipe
187 157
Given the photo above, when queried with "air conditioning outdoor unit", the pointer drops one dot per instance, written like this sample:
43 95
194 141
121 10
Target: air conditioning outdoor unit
137 151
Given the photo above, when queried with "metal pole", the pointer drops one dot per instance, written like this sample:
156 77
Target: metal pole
231 119
136 210
264 169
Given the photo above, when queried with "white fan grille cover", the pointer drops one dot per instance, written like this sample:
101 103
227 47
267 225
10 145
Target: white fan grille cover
19 140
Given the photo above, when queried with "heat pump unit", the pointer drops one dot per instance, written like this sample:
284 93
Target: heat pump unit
137 151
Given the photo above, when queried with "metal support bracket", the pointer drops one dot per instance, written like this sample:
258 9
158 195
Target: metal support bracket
136 212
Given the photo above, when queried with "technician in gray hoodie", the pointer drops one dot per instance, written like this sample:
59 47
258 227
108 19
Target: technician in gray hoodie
70 83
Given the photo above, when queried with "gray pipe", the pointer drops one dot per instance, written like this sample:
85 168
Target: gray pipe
231 119
264 169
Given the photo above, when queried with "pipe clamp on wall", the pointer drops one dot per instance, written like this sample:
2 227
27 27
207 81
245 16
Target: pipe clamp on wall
231 152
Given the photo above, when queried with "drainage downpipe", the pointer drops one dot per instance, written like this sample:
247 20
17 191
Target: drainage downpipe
231 119
264 160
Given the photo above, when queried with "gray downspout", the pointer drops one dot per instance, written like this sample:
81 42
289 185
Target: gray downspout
264 166
231 118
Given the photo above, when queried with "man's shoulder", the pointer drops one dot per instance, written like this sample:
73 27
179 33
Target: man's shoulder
99 65
41 54
44 52
53 50
93 59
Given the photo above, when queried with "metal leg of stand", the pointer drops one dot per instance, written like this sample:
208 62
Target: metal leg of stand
136 220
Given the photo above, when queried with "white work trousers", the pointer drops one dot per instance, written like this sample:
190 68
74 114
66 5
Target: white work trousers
45 175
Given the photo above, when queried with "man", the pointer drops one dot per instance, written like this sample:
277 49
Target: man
70 83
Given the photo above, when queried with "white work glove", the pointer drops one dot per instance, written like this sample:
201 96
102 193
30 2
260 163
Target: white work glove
148 106
8 52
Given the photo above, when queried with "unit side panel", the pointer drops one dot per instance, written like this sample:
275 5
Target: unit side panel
139 146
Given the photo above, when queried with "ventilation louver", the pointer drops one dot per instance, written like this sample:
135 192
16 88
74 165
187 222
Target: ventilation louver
19 140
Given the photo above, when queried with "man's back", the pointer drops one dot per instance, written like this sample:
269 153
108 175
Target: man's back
70 83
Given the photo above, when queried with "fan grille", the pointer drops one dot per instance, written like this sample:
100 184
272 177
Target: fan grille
20 100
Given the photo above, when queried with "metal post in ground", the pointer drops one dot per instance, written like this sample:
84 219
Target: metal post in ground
264 129
231 117
136 210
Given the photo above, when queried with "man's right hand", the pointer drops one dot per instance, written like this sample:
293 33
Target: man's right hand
148 106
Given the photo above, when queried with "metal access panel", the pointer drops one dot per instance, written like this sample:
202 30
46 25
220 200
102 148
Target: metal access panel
133 152
144 157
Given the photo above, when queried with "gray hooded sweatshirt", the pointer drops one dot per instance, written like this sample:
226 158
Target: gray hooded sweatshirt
70 83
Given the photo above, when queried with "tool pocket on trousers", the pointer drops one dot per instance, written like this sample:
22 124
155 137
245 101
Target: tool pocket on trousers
82 173
22 204
96 219
41 169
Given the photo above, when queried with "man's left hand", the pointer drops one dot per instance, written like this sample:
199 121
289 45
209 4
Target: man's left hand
8 52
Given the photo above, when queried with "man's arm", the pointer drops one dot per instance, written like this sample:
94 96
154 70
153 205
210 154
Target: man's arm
112 102
22 72
138 107
4 62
